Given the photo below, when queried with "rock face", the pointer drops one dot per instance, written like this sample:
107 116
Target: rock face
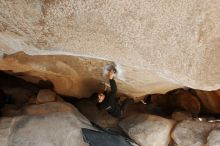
192 133
160 45
44 129
210 100
81 76
214 138
46 108
148 130
177 99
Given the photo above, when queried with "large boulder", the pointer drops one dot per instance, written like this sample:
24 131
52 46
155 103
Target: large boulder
192 133
177 99
54 128
80 76
148 130
157 45
50 107
214 138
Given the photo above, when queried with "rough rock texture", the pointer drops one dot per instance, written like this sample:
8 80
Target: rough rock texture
210 100
81 76
148 130
57 129
214 138
192 133
160 45
177 99
45 96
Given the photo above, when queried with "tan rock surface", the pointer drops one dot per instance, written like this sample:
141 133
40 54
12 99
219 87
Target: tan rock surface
45 96
50 107
81 76
160 45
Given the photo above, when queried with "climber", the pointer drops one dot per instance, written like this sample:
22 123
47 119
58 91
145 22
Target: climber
107 100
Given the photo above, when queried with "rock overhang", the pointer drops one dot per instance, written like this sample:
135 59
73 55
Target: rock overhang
173 43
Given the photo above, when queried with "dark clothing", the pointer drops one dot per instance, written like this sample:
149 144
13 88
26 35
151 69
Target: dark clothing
109 102
104 138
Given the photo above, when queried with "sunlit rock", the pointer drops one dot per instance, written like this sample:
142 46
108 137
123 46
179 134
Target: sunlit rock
160 45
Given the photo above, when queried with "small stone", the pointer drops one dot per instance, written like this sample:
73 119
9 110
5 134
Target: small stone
45 96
